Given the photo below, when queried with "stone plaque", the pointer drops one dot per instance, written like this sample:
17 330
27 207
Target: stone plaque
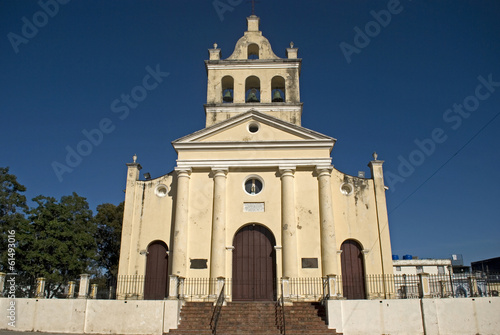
309 263
198 263
253 207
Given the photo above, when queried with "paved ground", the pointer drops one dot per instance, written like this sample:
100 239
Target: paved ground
9 332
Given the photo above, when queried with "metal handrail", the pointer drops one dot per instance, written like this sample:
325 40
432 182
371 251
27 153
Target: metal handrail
217 309
326 292
280 313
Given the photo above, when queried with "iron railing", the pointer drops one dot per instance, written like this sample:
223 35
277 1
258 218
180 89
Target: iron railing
306 288
217 309
397 286
280 312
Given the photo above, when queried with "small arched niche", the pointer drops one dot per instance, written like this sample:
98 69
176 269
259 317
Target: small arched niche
252 89
227 84
278 93
253 51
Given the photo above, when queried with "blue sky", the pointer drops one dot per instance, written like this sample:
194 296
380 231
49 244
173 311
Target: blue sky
416 81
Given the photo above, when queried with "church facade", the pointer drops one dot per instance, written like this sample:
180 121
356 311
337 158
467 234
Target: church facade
254 201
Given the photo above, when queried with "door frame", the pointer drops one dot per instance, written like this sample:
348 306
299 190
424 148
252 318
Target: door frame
152 288
350 271
272 282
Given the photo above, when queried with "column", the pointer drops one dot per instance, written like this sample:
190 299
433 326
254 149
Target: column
40 287
71 290
288 224
424 286
179 250
93 291
2 283
83 290
327 227
218 257
173 288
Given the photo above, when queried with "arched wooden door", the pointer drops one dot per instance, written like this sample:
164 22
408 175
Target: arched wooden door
156 283
254 264
353 270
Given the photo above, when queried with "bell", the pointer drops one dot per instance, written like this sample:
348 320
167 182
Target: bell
252 97
227 96
277 96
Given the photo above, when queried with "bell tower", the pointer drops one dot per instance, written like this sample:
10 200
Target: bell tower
253 78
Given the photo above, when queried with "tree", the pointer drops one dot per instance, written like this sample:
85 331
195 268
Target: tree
58 241
12 206
109 220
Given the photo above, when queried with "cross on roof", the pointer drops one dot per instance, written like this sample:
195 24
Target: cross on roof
253 5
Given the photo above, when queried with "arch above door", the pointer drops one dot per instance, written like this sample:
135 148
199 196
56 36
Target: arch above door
156 281
353 270
254 264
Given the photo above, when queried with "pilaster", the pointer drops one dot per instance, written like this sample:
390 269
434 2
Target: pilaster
133 173
382 216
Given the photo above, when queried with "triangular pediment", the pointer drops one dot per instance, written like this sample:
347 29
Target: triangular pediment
253 127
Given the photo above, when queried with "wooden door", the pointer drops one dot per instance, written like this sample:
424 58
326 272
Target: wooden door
353 273
156 283
254 264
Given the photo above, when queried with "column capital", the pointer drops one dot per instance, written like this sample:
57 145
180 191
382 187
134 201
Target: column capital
323 170
287 171
183 171
219 172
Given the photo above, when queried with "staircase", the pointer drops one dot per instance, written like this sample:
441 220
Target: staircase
256 318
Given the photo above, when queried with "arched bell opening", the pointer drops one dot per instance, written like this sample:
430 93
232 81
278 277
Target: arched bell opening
278 89
253 51
227 84
252 89
156 281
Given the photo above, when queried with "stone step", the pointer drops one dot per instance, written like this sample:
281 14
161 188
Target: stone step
255 318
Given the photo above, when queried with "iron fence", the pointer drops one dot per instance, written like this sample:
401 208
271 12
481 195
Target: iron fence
299 289
130 287
306 288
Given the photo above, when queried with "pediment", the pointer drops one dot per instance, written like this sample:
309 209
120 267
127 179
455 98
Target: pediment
254 127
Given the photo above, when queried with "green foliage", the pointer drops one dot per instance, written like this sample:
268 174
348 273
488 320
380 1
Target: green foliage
12 205
58 242
109 229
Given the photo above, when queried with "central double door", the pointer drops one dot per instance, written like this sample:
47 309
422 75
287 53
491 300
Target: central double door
254 264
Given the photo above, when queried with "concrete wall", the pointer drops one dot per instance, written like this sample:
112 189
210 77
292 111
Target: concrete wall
415 316
83 316
351 317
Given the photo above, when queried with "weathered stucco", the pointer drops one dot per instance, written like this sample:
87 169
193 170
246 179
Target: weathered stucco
310 207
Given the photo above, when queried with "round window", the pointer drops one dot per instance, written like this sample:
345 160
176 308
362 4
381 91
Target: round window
346 188
161 190
253 185
253 127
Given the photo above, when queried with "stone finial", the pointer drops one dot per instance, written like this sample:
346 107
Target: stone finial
291 44
134 158
375 156
215 45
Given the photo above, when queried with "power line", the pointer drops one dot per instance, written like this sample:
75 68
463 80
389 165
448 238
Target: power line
449 159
